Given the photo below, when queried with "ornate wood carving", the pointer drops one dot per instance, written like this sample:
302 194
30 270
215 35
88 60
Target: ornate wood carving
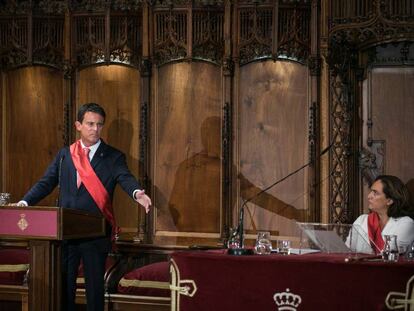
228 67
53 6
227 167
10 7
256 33
355 25
294 33
342 114
208 35
274 30
90 5
14 44
89 39
170 36
315 64
367 22
126 40
371 161
312 134
48 37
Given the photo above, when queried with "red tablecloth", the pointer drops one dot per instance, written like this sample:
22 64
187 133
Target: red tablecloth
322 281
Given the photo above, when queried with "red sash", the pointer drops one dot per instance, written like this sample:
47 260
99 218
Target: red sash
374 232
92 183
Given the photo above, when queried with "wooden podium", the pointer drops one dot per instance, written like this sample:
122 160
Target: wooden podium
45 228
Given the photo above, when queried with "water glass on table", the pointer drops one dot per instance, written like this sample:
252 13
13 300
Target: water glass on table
263 244
4 198
390 252
283 247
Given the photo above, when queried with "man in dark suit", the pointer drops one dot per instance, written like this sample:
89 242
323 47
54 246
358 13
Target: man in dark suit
87 173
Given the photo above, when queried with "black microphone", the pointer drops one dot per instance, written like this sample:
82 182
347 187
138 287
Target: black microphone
59 179
239 229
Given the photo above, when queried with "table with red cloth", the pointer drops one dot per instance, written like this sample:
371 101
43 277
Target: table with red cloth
270 282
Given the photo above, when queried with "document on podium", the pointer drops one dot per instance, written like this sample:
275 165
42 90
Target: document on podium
327 241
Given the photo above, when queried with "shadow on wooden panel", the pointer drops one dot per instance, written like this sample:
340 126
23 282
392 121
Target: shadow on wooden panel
195 184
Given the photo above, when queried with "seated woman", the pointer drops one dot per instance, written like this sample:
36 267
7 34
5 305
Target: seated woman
390 214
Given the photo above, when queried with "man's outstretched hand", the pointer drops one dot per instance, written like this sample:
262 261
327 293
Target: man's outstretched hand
143 199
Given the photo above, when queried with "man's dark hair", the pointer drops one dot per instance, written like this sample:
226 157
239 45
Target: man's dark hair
90 107
395 190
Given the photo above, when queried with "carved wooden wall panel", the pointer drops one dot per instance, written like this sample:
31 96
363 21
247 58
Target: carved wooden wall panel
392 97
107 39
273 112
32 125
187 152
354 28
116 88
274 30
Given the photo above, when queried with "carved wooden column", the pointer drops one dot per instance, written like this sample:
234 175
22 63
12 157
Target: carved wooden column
145 225
69 84
314 64
324 134
227 126
342 117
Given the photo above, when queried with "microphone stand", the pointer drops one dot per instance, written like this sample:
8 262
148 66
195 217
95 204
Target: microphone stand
240 251
244 251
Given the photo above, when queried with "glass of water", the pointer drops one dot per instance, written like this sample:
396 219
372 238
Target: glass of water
390 251
4 198
283 247
263 244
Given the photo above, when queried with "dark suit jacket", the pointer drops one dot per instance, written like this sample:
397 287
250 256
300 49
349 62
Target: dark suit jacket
109 165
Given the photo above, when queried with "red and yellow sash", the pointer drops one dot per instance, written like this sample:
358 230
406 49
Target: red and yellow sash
374 233
92 183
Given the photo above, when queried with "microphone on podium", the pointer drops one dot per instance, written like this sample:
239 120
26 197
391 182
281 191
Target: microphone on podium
239 231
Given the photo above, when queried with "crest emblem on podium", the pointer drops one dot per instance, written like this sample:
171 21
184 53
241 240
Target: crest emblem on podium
287 301
22 223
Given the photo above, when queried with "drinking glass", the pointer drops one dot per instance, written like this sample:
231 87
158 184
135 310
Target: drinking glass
234 239
409 253
283 247
390 251
4 198
263 245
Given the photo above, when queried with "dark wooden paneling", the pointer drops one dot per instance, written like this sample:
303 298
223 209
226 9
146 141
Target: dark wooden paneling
33 127
273 112
187 163
117 89
390 100
392 118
